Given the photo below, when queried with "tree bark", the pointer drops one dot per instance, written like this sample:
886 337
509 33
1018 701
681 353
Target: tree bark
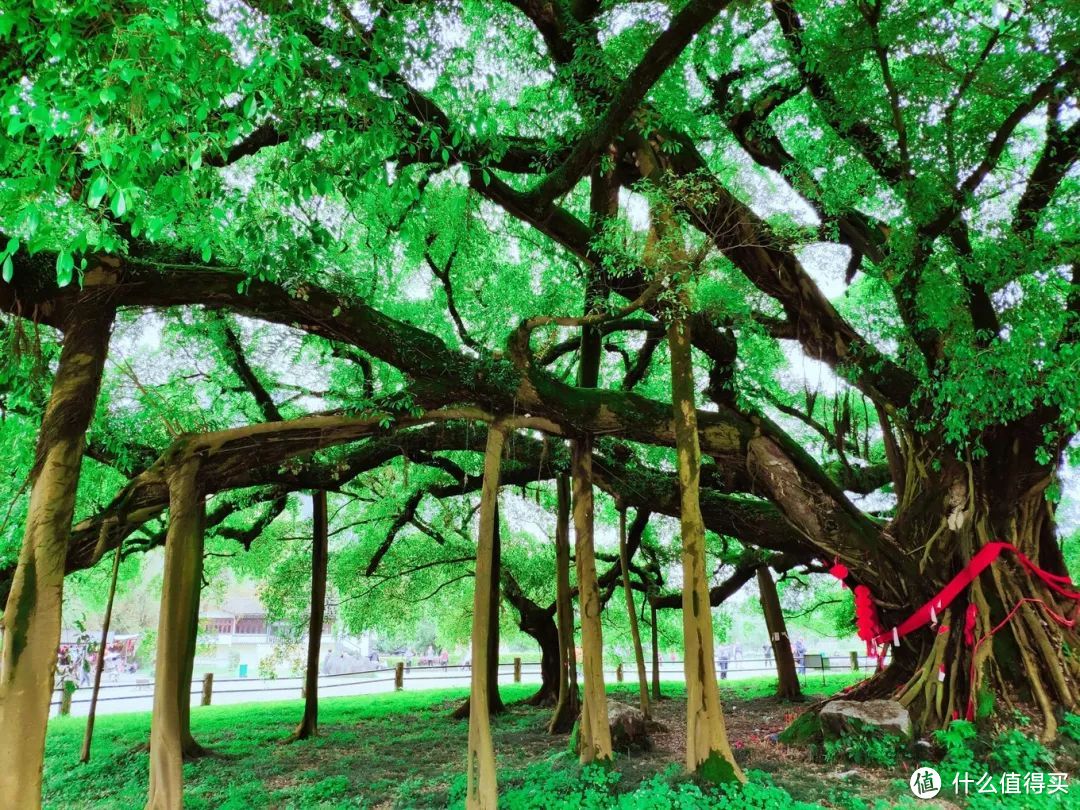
32 617
495 703
482 789
568 705
99 660
183 564
1014 653
189 748
639 655
787 686
707 750
537 622
655 654
309 724
595 733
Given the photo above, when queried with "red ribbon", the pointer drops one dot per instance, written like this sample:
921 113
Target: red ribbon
986 555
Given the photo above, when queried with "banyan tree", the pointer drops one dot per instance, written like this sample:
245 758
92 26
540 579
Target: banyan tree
602 231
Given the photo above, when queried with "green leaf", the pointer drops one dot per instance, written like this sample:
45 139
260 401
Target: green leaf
119 203
9 269
98 186
65 264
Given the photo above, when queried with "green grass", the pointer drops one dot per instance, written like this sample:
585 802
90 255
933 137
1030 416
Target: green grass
396 749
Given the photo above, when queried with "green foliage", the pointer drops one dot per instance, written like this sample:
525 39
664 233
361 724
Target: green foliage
866 745
1070 727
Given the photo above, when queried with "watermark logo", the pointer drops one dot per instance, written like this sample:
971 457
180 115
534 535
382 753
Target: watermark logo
925 783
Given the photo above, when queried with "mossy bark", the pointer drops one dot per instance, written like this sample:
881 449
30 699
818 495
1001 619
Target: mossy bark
32 616
183 566
787 678
595 732
309 723
635 634
482 788
568 704
707 750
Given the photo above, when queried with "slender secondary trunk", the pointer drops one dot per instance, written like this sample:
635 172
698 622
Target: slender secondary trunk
787 686
595 732
639 654
494 701
655 654
32 615
99 660
183 565
309 724
568 705
482 789
707 750
188 747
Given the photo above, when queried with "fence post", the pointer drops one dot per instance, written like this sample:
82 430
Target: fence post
517 670
207 688
854 661
399 675
618 673
67 689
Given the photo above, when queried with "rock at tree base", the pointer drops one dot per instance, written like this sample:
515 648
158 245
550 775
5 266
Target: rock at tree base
629 728
850 716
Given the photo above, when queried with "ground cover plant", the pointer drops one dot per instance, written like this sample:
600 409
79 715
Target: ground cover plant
401 750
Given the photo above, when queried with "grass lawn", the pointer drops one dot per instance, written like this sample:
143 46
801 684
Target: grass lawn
402 750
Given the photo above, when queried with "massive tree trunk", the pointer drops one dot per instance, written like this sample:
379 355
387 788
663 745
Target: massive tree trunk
309 724
707 750
1001 642
595 733
639 655
180 580
787 686
32 615
568 705
482 790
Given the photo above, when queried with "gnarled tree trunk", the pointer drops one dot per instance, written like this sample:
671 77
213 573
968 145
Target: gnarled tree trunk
1017 651
787 686
482 789
568 705
183 566
32 618
639 655
538 623
309 724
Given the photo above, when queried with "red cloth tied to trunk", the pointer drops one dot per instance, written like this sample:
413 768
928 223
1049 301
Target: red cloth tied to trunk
866 618
1061 585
